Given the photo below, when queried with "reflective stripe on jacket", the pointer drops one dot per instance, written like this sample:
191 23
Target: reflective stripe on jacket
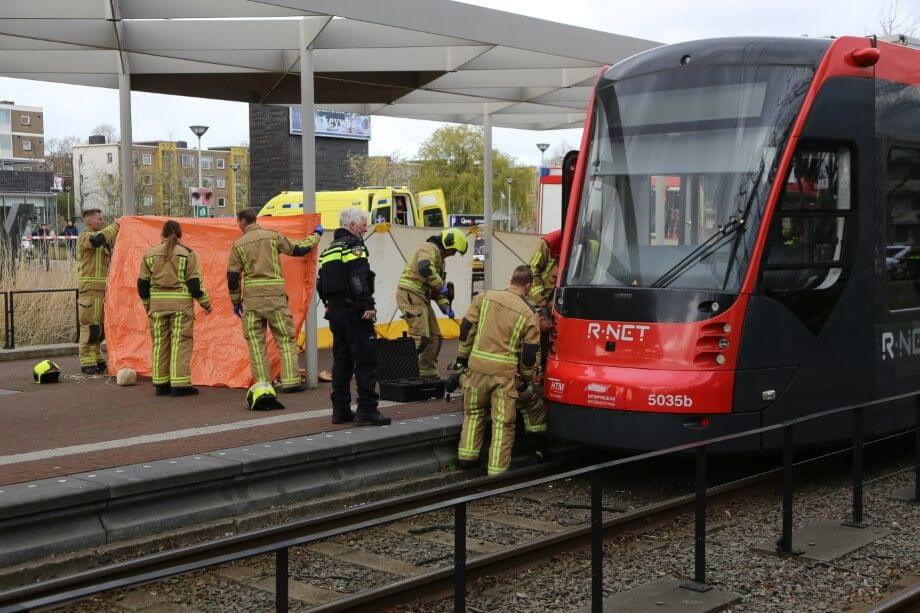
426 259
502 322
93 261
171 282
256 257
543 266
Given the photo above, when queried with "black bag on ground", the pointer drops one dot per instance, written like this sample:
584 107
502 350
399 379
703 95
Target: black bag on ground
397 372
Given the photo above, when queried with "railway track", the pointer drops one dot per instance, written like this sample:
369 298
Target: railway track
409 559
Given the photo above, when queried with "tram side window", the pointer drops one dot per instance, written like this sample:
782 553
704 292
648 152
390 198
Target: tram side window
902 246
807 241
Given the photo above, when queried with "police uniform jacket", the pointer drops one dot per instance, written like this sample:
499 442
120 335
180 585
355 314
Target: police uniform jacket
345 275
500 334
255 257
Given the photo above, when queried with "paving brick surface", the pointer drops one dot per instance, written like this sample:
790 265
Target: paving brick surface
80 411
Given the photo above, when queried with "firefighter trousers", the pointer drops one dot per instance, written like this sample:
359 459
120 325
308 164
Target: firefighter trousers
423 328
92 330
273 312
482 392
171 334
533 411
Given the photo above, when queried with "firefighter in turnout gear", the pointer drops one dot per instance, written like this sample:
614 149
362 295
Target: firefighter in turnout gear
346 287
499 350
94 252
169 281
544 265
257 292
423 277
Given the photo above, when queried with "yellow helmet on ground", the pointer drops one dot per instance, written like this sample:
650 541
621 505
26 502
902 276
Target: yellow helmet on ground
454 238
46 371
261 397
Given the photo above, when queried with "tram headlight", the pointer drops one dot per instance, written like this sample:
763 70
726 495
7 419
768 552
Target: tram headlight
720 359
726 328
723 343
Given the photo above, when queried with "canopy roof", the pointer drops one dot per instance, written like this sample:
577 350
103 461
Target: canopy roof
423 59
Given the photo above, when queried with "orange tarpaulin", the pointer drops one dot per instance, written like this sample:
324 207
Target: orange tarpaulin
220 356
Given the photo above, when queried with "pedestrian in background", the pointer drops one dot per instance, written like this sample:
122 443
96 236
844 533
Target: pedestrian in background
169 281
70 233
346 287
257 291
94 252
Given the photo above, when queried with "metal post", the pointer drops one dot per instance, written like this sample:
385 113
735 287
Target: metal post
12 321
460 557
281 580
199 161
308 153
126 160
856 521
699 558
487 195
597 542
785 542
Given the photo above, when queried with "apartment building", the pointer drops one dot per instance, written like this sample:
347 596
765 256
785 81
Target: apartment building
163 172
22 137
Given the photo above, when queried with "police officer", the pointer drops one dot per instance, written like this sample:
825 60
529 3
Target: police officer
257 292
169 280
544 264
422 277
346 287
94 252
499 350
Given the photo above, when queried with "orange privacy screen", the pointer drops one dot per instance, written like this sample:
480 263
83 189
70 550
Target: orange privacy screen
220 356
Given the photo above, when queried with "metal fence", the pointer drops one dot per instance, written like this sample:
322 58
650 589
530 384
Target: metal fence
159 566
9 312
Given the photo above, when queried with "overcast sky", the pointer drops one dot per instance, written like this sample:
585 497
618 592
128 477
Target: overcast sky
71 109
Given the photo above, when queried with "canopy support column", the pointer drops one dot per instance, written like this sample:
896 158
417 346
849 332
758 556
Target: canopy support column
126 150
308 152
487 196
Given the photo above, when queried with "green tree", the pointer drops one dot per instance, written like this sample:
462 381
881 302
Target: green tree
451 159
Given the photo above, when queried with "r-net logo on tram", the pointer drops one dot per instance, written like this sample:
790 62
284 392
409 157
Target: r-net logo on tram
617 332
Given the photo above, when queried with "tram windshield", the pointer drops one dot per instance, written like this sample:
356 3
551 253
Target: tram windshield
677 173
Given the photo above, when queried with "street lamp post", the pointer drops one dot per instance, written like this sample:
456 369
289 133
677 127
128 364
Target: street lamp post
236 186
199 132
542 147
68 190
509 181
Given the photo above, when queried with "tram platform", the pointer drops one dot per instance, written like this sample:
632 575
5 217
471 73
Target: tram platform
85 461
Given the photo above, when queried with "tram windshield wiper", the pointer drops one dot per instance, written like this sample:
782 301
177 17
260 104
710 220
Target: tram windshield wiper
701 252
714 242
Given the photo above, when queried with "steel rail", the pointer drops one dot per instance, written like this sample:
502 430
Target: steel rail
518 555
906 600
177 561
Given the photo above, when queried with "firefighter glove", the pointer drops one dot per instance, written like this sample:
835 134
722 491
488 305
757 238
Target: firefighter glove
444 290
319 229
238 310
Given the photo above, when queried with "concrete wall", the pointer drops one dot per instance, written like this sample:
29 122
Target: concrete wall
275 156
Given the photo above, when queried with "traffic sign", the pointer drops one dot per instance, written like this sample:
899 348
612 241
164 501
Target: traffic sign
201 211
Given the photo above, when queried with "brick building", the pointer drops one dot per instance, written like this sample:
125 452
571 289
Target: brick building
277 158
22 137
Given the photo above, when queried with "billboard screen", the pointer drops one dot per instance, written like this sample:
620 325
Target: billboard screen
333 124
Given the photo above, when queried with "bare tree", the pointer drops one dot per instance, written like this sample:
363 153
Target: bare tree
387 170
106 130
558 153
894 20
59 153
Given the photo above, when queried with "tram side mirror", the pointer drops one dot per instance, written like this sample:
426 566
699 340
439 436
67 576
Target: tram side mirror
569 162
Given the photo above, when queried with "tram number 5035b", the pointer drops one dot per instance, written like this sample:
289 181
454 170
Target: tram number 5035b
669 400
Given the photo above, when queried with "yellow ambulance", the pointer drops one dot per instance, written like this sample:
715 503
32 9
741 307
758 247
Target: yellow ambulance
394 205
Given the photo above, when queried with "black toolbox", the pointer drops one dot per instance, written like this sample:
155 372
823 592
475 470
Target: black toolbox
409 390
397 372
